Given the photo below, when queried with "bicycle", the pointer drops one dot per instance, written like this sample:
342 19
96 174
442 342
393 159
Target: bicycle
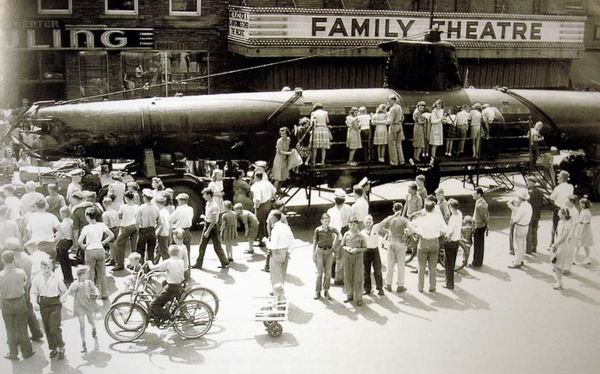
126 321
143 282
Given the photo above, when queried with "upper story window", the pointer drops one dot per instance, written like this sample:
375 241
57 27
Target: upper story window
121 6
55 6
184 7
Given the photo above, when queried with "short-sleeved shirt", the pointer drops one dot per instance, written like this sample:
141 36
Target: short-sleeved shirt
8 229
175 269
475 117
163 219
462 118
364 121
360 208
12 283
395 115
212 212
396 224
55 202
93 235
372 237
414 203
110 218
182 217
65 229
147 215
324 238
128 214
352 240
41 225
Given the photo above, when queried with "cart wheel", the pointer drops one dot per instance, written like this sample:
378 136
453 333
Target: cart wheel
266 323
275 330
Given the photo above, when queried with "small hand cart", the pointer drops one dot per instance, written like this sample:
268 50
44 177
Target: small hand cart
270 311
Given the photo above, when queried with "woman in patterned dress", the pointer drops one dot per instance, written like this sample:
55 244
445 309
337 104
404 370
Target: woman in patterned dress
321 137
279 171
353 141
436 133
85 306
380 139
420 123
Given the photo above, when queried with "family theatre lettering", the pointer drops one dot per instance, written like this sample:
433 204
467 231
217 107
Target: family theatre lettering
453 29
72 37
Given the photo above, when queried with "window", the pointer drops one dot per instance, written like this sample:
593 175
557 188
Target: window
93 73
121 6
55 6
184 7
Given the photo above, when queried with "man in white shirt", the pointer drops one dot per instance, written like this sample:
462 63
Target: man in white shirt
360 208
462 124
211 231
175 269
452 241
13 203
262 195
371 257
364 120
116 189
340 215
475 126
429 227
521 221
560 195
30 197
41 226
182 218
280 243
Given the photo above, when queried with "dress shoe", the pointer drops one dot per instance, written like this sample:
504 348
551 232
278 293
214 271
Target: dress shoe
265 270
338 283
359 303
416 271
388 288
53 353
380 292
348 299
28 355
326 295
196 266
230 259
514 266
448 287
317 296
557 286
432 290
94 333
37 338
223 266
400 289
367 292
12 357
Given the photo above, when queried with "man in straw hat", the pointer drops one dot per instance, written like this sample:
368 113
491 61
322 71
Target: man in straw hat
521 220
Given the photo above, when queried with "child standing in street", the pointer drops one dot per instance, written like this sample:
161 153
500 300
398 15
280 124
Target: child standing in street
324 240
228 228
64 235
466 233
84 294
585 233
111 218
183 254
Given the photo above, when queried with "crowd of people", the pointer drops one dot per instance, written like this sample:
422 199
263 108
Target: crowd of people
153 225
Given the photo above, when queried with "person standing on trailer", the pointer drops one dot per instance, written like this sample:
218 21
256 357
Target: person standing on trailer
364 121
462 126
280 172
395 117
353 140
321 136
475 126
420 122
380 139
436 134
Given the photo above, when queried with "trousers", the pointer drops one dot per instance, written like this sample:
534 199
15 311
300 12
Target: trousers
395 138
462 133
146 243
32 321
532 239
478 246
279 264
371 258
94 258
520 243
396 257
14 313
216 241
50 309
162 247
450 250
353 276
262 213
324 259
511 237
126 233
168 293
62 254
427 254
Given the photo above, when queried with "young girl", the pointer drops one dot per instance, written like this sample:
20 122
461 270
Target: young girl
380 139
561 246
585 233
228 228
64 235
353 141
466 233
216 185
571 205
84 294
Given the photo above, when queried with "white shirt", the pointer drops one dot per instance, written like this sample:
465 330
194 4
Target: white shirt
429 226
365 121
372 236
93 234
182 217
13 204
462 118
71 188
453 233
163 221
175 269
340 216
523 215
475 117
262 191
281 237
319 117
117 188
41 226
51 287
360 208
128 214
488 114
183 255
560 194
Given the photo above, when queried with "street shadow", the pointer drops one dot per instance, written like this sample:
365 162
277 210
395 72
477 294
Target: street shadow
411 301
238 267
297 315
569 292
286 340
111 286
292 279
538 258
339 309
222 274
95 357
502 275
369 314
585 281
464 273
537 274
446 302
470 300
386 303
256 257
33 365
63 366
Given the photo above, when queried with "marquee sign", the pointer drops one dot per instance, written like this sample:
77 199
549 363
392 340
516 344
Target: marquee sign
276 26
53 34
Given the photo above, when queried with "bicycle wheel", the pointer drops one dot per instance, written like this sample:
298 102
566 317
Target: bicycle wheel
461 259
410 254
127 296
192 319
125 321
203 294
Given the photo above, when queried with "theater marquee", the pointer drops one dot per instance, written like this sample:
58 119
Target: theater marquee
268 27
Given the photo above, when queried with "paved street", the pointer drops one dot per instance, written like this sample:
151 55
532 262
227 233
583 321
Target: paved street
497 320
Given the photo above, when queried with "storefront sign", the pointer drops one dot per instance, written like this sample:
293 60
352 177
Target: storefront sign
263 24
52 34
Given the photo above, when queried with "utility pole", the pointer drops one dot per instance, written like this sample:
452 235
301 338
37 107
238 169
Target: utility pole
431 14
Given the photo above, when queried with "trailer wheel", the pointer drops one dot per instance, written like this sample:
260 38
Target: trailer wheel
275 330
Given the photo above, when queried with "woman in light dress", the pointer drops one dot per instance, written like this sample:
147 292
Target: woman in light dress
279 171
436 133
585 237
380 139
353 141
216 185
571 205
561 246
